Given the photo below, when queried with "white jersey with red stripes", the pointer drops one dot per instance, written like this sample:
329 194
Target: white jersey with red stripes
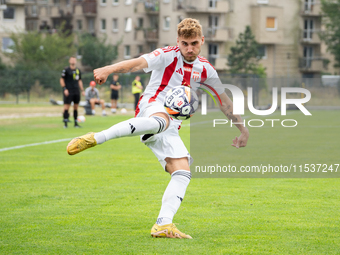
170 69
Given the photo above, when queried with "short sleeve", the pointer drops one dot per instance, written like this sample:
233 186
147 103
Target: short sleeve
63 73
156 60
79 74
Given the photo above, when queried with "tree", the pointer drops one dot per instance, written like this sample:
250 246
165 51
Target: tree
36 51
331 20
37 56
244 56
95 52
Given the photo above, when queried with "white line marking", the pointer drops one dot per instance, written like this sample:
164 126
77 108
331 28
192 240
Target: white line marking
34 144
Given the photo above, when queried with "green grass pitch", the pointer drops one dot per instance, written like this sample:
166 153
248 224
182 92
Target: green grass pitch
105 200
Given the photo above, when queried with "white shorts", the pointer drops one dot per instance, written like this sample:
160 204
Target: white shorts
167 144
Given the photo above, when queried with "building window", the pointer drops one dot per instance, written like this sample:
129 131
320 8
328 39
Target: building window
140 22
128 2
262 1
309 5
308 29
212 3
213 25
262 49
213 53
271 24
115 2
308 53
90 25
127 51
6 44
31 25
128 24
140 50
9 12
103 25
79 24
103 2
56 2
153 46
115 25
34 10
166 23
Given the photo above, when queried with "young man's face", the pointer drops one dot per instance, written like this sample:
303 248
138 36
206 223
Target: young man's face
73 62
190 47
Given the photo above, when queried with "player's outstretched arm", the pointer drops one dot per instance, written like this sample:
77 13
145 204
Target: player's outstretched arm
131 65
227 109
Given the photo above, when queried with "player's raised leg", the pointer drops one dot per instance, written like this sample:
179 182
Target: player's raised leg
173 196
132 127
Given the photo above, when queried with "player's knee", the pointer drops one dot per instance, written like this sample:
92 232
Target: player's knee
175 164
163 117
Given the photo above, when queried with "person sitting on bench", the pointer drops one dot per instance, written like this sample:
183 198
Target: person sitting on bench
92 97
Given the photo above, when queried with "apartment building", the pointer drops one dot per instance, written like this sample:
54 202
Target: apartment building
12 19
287 31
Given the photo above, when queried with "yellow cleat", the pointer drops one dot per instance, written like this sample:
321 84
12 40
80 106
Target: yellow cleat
168 231
81 143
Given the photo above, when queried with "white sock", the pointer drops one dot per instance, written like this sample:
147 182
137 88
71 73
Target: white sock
113 110
173 196
132 127
93 112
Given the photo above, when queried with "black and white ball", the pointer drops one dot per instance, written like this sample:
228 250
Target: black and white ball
181 102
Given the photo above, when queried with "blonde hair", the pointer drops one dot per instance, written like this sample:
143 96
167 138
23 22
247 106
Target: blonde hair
189 28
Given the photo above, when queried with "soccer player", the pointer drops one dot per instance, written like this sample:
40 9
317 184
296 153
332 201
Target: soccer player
70 81
170 66
115 87
92 97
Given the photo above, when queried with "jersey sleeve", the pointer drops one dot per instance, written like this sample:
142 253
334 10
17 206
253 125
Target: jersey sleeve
157 59
214 81
63 73
79 74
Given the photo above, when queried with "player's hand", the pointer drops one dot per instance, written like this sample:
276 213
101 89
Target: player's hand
66 93
100 75
242 140
83 93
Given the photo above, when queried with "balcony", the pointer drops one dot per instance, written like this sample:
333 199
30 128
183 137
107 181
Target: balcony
89 8
205 6
312 65
218 34
147 7
311 9
60 12
311 37
15 2
151 35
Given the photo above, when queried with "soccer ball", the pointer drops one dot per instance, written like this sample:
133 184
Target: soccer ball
181 102
123 111
81 119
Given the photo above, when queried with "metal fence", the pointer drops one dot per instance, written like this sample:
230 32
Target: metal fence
40 86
